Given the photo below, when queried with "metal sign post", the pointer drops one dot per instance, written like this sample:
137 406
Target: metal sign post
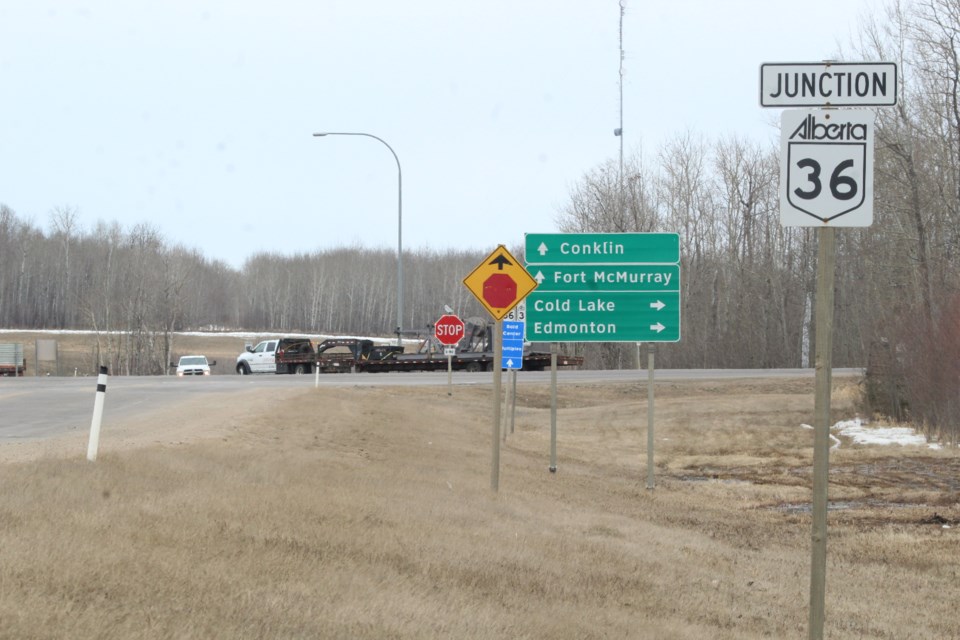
499 283
650 354
826 181
449 352
497 378
513 399
826 260
553 407
505 406
513 332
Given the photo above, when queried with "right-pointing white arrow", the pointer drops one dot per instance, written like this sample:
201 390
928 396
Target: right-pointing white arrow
657 327
658 305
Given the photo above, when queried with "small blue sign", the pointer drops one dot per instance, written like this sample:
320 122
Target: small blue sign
512 345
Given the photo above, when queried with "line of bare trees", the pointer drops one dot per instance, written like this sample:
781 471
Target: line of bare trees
748 282
135 290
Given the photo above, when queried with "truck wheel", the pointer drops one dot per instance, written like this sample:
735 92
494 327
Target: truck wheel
300 369
243 369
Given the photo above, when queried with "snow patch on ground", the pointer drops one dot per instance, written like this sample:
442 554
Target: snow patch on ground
863 433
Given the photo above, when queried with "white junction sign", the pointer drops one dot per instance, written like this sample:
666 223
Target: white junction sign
828 84
826 167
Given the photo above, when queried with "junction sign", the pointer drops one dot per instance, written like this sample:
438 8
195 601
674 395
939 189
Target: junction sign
828 84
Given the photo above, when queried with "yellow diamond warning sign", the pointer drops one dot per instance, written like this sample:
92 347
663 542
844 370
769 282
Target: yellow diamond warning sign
500 282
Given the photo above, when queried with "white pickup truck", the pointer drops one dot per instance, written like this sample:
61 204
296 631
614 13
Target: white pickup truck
193 366
259 359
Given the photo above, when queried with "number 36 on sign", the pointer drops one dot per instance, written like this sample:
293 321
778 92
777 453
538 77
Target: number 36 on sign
826 168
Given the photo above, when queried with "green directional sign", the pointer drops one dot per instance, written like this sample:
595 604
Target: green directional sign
604 287
630 277
613 316
602 248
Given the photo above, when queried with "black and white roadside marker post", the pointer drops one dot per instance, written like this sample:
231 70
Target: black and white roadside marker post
94 442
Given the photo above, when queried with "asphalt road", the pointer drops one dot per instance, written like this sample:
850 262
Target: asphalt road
37 408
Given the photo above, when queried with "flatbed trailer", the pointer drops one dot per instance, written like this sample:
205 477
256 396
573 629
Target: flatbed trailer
345 355
532 361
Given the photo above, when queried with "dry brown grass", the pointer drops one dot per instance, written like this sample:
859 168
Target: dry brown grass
367 513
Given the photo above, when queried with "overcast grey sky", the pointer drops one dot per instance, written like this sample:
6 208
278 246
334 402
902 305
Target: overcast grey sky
197 115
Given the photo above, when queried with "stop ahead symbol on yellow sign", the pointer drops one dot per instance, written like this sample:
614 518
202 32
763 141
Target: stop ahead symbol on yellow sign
500 282
499 290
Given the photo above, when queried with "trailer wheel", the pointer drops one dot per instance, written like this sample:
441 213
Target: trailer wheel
473 367
301 369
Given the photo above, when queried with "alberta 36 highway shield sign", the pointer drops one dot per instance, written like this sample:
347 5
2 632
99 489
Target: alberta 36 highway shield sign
826 168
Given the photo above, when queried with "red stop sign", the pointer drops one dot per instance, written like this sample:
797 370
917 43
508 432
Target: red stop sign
449 329
500 291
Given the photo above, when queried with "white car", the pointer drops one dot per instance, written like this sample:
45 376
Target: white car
194 366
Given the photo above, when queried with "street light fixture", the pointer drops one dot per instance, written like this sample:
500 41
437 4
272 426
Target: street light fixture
399 222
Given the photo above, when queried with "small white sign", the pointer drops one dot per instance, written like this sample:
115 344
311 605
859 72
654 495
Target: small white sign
826 168
518 313
828 84
449 351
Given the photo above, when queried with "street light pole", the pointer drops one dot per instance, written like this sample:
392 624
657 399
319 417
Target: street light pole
399 222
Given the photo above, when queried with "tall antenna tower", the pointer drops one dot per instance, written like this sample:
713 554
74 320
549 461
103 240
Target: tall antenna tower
619 130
